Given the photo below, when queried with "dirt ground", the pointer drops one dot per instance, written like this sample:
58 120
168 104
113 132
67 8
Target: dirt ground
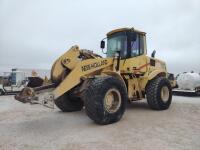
33 127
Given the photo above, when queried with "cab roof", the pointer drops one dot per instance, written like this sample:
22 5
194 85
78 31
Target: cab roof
125 29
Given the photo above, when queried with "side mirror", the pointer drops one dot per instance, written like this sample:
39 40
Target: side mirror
153 53
102 44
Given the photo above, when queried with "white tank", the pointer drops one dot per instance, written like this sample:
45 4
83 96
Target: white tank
188 81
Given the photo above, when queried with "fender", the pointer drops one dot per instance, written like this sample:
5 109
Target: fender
86 82
116 75
155 73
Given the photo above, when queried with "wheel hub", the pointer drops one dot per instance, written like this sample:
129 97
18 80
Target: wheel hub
165 93
112 100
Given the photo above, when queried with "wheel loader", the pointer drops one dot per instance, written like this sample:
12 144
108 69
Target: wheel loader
103 86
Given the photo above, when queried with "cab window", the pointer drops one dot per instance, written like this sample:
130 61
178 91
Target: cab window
117 42
142 41
137 46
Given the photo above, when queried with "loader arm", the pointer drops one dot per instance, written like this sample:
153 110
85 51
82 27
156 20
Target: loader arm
82 69
68 70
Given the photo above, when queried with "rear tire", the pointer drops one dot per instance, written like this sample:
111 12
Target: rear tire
68 104
105 100
159 93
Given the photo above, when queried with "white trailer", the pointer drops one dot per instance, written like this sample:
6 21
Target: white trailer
188 83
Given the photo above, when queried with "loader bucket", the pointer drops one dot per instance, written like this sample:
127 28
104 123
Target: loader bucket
25 95
28 94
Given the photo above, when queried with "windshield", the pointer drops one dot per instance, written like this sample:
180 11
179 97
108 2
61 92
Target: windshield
117 42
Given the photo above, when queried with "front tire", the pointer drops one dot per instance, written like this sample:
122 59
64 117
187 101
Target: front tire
159 93
105 100
68 104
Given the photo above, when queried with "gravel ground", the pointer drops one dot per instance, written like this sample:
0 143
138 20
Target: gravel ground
33 127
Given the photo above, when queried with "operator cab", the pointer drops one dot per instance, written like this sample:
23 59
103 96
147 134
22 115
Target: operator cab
125 41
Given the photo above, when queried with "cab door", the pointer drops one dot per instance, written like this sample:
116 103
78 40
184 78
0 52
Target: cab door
136 62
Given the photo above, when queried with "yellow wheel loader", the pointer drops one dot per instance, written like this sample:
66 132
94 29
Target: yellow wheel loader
103 86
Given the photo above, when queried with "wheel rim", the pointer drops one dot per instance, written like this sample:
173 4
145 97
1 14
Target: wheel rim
165 94
112 100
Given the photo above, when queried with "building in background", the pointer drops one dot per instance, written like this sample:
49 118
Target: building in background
28 72
17 75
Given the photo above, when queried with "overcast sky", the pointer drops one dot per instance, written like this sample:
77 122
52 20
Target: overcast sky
33 33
